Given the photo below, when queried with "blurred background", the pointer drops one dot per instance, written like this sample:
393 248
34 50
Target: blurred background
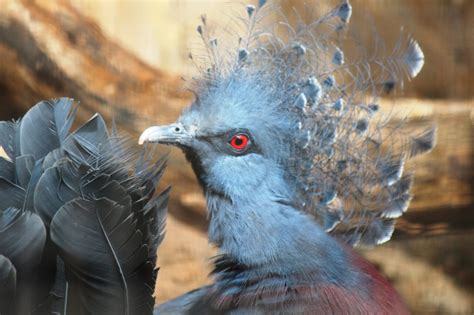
126 58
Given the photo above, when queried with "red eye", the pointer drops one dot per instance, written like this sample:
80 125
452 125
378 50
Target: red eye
239 142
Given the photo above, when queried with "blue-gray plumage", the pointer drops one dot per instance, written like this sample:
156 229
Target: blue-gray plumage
293 156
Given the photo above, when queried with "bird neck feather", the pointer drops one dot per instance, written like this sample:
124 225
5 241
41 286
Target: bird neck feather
258 226
264 230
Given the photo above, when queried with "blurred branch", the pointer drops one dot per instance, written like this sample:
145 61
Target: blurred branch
48 49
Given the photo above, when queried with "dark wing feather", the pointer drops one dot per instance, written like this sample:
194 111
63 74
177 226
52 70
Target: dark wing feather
130 235
22 240
11 195
26 142
8 140
24 168
47 198
48 167
7 169
106 257
94 131
42 127
7 285
22 237
64 114
157 211
89 182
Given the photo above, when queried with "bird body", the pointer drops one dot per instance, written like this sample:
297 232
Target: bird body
365 291
284 263
297 165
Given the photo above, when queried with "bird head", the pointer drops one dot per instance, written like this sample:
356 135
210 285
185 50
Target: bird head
281 114
233 135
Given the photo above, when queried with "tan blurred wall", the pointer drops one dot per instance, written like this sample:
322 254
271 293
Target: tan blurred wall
162 32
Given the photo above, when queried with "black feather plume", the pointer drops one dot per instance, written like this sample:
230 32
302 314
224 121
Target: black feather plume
22 241
7 285
87 196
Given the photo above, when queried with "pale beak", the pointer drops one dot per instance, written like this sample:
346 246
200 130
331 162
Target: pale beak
173 134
